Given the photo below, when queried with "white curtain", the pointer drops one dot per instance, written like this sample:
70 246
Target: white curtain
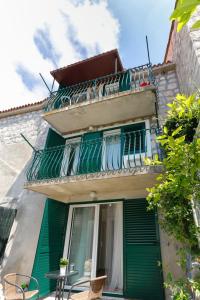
117 258
71 151
112 150
114 247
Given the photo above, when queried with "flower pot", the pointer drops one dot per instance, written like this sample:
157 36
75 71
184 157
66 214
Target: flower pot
63 270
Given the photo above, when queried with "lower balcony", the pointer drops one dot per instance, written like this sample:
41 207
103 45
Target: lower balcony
114 166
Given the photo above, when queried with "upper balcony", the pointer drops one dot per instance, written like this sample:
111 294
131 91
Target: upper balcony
112 166
103 101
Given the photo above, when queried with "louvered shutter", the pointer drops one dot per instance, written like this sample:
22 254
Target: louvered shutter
7 216
50 244
143 275
49 162
90 153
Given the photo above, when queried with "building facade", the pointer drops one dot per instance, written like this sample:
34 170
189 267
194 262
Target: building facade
80 191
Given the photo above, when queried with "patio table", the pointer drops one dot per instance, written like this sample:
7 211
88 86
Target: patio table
61 281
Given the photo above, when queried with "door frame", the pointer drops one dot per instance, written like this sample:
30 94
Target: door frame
95 233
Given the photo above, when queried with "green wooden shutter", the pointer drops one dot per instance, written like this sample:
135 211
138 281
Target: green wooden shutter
7 216
142 274
48 157
50 244
124 82
90 153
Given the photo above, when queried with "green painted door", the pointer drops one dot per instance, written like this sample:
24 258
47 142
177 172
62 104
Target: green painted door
90 153
50 244
142 273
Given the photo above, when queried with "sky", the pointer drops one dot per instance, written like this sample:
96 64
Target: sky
38 36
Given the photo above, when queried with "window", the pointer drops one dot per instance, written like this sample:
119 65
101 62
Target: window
134 137
70 157
111 150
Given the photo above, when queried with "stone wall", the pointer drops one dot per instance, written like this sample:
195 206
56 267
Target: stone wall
168 87
186 55
15 155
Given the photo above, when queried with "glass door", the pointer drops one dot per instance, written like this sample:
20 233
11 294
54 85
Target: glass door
81 243
94 243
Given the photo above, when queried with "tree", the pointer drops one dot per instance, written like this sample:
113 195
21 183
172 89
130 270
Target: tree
183 11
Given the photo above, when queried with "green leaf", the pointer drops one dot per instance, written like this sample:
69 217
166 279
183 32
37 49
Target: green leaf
196 25
183 12
161 137
180 140
175 132
165 130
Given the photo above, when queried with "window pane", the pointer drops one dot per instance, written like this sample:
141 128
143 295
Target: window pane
80 250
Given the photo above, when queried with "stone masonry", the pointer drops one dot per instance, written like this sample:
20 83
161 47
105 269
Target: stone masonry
186 55
168 88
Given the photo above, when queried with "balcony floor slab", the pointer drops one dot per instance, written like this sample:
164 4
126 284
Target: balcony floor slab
108 110
119 184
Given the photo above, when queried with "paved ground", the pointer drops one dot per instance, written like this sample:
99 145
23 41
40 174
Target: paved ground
52 297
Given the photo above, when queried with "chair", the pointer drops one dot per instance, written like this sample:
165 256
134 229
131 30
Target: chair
13 290
95 289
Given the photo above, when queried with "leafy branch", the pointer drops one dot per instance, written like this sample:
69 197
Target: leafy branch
183 12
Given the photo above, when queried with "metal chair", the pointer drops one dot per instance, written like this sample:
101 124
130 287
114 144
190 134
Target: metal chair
94 292
13 291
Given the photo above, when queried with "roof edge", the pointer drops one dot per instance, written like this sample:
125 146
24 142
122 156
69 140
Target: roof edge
164 67
23 109
170 35
89 59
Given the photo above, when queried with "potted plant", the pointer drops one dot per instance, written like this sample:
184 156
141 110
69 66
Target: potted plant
24 287
63 264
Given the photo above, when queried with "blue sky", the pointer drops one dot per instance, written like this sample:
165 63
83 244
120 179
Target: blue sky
140 18
41 36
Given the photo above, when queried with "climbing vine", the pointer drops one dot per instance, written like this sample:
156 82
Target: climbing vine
178 185
179 181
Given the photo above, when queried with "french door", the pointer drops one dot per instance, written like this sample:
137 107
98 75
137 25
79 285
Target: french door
94 243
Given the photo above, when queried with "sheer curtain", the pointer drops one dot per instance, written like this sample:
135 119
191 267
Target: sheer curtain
80 252
112 150
114 247
70 159
117 258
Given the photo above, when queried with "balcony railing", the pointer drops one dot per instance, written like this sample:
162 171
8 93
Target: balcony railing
130 80
109 153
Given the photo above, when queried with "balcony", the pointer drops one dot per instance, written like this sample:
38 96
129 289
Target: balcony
107 100
112 166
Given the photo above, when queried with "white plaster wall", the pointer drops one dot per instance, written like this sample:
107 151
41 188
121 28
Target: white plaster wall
15 155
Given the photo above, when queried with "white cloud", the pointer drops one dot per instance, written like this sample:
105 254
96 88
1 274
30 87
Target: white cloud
92 23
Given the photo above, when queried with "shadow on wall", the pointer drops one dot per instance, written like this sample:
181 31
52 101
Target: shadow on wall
24 234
